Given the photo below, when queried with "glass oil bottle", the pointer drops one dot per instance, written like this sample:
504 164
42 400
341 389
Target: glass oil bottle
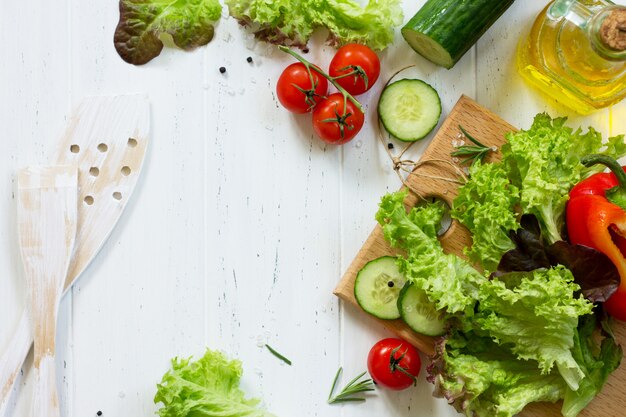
576 53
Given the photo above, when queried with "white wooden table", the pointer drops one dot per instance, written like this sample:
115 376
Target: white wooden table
243 221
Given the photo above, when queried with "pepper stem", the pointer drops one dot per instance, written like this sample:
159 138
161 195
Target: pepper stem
617 194
608 162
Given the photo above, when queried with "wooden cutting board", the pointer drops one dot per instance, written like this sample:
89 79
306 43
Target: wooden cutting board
490 130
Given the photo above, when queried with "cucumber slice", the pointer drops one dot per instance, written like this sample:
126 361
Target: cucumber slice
419 313
377 287
409 109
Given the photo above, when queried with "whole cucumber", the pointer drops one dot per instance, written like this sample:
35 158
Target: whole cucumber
443 30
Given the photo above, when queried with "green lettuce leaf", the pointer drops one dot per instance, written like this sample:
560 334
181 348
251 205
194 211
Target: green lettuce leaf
544 163
597 362
291 22
536 314
449 282
485 205
207 387
503 358
481 378
142 22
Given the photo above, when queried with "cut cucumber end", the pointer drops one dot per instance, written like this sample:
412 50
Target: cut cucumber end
427 48
377 287
409 109
419 313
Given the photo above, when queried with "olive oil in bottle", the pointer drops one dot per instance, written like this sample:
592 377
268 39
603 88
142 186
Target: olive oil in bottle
576 53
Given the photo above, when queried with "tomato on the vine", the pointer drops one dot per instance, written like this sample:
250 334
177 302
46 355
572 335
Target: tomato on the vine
336 121
394 364
295 90
357 67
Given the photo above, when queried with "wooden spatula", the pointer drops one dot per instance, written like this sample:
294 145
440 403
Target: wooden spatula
106 138
47 217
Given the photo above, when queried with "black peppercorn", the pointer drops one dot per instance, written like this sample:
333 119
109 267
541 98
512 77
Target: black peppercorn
99 413
222 70
249 59
390 146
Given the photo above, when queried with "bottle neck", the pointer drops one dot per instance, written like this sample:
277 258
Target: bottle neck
607 32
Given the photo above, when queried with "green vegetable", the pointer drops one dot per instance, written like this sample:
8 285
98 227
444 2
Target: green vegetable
597 362
512 339
443 30
502 359
292 22
377 287
419 313
544 162
409 109
536 314
484 379
206 387
485 205
449 282
142 22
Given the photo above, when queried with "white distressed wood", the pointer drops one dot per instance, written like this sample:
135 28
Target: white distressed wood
12 359
141 302
272 230
229 175
47 217
35 77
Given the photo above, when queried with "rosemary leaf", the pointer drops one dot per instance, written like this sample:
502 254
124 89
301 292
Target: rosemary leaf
356 386
278 355
476 152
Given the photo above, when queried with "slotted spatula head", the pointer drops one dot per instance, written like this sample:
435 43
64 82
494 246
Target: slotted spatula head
106 139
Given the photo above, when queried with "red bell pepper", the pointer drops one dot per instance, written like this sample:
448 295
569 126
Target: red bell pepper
596 217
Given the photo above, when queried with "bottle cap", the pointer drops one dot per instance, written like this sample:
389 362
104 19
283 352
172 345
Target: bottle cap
613 30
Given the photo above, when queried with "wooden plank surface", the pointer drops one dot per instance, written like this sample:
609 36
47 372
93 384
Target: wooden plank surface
490 130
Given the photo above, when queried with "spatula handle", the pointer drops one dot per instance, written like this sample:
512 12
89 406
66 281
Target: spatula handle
45 397
12 359
46 218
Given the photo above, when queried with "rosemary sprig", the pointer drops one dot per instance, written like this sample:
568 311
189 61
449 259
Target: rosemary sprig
278 355
353 387
473 153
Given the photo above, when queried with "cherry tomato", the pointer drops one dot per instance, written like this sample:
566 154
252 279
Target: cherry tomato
394 364
296 92
359 61
334 126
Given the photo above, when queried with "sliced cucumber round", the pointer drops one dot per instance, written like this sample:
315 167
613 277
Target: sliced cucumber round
377 287
409 109
419 313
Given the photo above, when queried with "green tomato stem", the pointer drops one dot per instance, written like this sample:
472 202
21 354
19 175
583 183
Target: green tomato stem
346 96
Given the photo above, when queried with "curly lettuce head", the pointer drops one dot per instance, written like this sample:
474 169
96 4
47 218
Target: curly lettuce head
206 387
